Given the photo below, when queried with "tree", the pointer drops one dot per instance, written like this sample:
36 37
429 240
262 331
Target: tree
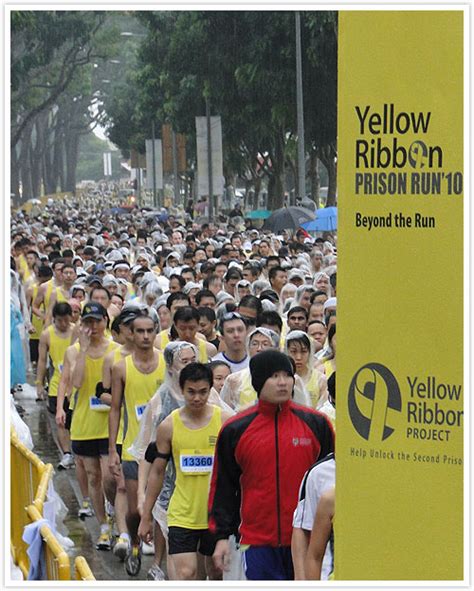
320 94
244 63
56 59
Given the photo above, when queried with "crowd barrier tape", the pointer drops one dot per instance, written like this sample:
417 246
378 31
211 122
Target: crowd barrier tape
30 478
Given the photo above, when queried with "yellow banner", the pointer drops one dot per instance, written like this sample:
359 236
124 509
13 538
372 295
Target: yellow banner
399 493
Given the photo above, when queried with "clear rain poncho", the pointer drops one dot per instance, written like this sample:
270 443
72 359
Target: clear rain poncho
314 381
167 398
238 391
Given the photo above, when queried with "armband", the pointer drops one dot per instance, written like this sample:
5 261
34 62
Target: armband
152 453
99 390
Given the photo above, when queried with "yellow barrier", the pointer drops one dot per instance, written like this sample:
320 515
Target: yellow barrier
82 570
29 486
58 567
27 472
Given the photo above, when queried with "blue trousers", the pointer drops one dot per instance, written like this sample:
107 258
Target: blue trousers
264 563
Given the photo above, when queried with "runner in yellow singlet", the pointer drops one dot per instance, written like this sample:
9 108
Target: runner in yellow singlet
89 428
61 293
174 301
186 322
44 274
135 379
54 342
188 435
102 296
42 300
117 493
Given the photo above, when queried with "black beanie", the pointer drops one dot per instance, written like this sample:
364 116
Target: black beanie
265 364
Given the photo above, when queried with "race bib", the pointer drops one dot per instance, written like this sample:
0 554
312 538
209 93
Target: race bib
97 405
196 462
139 410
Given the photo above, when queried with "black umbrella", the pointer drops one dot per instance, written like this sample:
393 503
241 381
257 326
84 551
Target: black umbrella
288 218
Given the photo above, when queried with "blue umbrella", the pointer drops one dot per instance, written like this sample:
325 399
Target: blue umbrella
259 214
326 221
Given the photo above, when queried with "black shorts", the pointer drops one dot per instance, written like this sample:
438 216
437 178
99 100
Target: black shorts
130 470
53 404
34 350
93 448
181 540
68 421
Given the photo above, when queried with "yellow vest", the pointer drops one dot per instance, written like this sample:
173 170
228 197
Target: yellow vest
60 297
90 419
202 351
139 388
313 388
48 293
328 368
36 321
248 395
116 358
57 351
23 267
193 456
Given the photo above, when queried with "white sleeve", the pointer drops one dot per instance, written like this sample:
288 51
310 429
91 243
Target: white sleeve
306 502
313 493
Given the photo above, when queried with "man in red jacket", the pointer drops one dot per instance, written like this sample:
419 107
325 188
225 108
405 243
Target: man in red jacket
261 456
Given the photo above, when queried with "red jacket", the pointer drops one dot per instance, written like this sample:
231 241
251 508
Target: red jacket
261 457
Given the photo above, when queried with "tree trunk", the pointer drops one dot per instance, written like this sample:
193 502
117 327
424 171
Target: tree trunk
314 177
15 178
327 155
292 168
332 183
36 153
72 151
257 187
49 176
58 159
25 169
276 184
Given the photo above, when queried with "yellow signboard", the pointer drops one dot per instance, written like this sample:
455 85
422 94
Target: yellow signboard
399 492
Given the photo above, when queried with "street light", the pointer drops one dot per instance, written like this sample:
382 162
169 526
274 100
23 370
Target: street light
299 110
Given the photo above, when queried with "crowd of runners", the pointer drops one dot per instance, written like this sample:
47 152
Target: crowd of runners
190 369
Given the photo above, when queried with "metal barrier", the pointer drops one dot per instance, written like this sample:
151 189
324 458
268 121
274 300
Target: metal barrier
27 474
30 478
58 567
82 570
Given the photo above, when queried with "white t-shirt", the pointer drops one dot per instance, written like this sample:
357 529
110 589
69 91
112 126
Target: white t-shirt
318 479
234 366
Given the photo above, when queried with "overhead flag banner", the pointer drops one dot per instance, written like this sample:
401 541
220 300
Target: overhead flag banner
107 164
202 156
400 391
154 181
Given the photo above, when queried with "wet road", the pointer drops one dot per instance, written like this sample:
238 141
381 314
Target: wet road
104 565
